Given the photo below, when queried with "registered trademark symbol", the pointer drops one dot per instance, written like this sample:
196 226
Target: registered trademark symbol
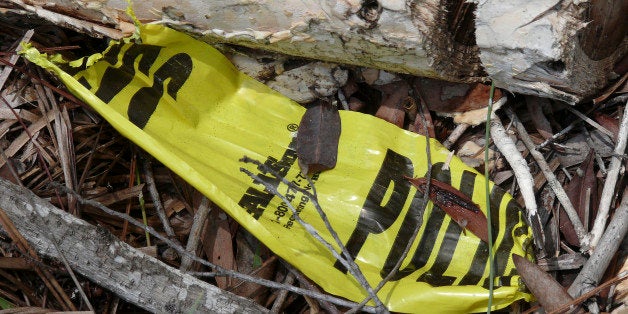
292 127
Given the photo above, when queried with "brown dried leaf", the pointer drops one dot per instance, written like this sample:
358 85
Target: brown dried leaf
617 87
550 294
577 189
392 108
448 97
457 205
317 139
252 258
535 107
218 245
607 122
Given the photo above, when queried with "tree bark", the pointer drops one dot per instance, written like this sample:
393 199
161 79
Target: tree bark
98 255
564 50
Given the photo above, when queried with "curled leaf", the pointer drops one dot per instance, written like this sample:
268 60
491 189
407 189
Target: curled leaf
456 204
317 139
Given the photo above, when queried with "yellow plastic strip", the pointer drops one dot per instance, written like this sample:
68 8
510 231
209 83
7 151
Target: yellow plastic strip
186 104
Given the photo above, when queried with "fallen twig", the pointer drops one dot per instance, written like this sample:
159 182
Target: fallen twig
611 180
551 180
279 301
195 231
589 121
154 195
455 135
596 265
526 182
304 282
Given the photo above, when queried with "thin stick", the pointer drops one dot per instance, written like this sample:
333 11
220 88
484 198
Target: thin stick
219 270
195 231
562 197
279 301
455 135
609 243
589 121
304 282
524 178
611 180
559 134
152 189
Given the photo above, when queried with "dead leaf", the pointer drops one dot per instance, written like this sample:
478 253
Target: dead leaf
535 107
317 139
456 204
252 258
577 189
448 97
218 245
607 122
392 108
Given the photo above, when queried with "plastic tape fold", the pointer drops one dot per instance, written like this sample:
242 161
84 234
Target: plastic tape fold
188 106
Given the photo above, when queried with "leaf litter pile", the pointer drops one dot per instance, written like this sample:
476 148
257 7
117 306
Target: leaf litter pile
575 157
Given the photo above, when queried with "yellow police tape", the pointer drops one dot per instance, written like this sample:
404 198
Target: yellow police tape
186 104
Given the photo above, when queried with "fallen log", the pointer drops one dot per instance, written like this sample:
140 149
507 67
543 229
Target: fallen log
565 50
98 255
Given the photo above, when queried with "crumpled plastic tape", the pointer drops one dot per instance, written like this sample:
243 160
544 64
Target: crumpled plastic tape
188 106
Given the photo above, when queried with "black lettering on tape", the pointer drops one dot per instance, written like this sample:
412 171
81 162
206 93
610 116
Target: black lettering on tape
143 104
435 275
255 201
376 217
116 78
478 263
432 228
72 70
502 254
83 81
412 220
